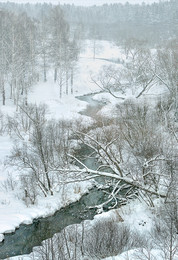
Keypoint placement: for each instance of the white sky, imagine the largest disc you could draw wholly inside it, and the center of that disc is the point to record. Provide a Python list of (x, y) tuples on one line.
[(86, 2)]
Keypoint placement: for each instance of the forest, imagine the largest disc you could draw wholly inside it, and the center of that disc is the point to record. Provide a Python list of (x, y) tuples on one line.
[(89, 107)]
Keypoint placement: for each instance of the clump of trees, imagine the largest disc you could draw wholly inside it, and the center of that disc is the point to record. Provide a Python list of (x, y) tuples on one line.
[(41, 147), (27, 44), (60, 48), (17, 56)]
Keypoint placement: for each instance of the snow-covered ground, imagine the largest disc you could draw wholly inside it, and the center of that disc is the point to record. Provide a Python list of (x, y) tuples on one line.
[(140, 253)]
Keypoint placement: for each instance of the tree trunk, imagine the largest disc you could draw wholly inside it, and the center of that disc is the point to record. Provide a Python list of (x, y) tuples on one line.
[(44, 67), (3, 90), (67, 86), (11, 91), (60, 85), (55, 74), (3, 95), (72, 80)]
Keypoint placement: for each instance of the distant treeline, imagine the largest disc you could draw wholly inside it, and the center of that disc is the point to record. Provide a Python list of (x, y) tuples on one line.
[(153, 23)]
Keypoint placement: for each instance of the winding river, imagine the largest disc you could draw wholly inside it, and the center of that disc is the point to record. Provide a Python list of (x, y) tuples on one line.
[(27, 236)]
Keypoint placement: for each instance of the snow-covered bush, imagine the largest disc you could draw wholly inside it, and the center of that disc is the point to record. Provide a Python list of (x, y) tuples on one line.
[(108, 238)]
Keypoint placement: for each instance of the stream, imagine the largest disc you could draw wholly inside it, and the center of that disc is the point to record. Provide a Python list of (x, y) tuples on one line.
[(27, 236), (93, 106)]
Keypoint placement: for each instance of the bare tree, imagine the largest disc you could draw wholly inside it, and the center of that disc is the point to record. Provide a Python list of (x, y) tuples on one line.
[(167, 66), (42, 150), (138, 75)]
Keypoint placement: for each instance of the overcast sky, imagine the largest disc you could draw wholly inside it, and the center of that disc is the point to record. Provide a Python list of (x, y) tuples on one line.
[(86, 2)]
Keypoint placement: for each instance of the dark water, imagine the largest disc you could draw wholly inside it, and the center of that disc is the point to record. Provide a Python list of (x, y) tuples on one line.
[(28, 236), (93, 105)]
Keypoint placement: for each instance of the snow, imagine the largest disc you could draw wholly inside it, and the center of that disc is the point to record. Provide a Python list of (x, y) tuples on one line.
[(104, 49), (1, 237), (65, 108), (139, 254), (138, 217), (134, 254)]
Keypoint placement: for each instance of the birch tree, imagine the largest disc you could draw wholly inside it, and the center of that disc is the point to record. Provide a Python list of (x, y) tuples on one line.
[(58, 44)]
